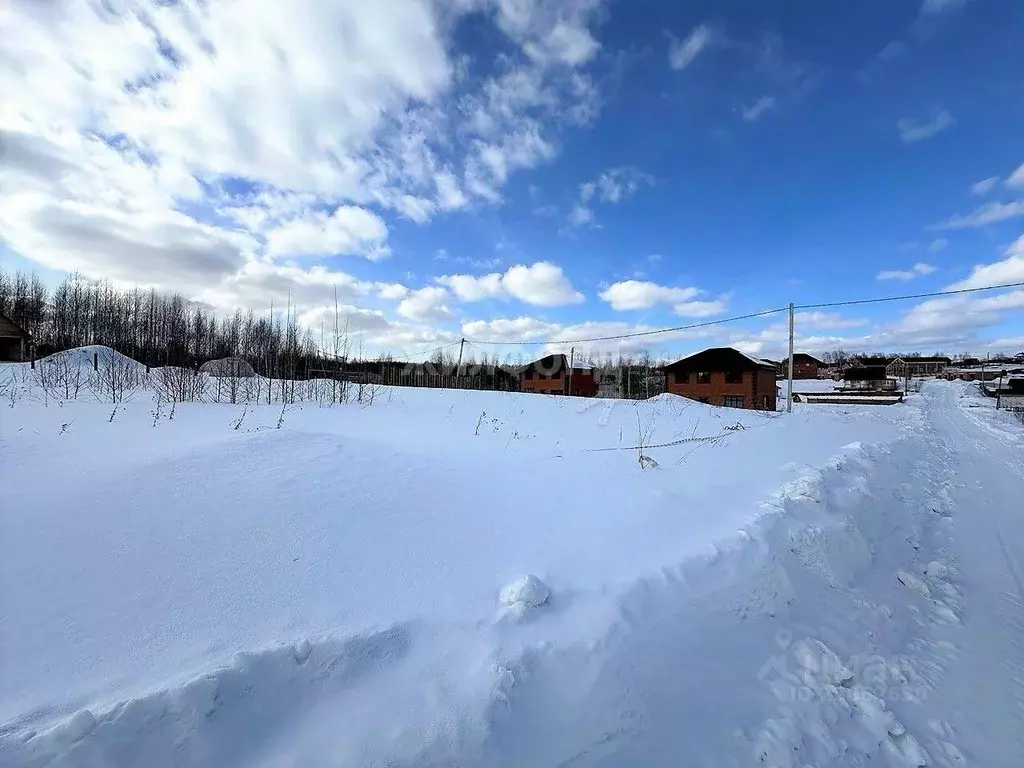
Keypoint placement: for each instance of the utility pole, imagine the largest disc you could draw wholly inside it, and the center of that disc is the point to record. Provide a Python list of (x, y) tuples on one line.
[(458, 368), (789, 397), (999, 389), (572, 353)]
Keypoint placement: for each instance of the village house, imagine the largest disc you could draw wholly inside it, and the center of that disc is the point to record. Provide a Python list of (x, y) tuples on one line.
[(901, 367), (868, 379), (723, 376), (14, 341), (551, 375), (804, 366)]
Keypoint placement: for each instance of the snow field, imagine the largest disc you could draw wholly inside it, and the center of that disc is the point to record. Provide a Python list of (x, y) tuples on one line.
[(355, 586)]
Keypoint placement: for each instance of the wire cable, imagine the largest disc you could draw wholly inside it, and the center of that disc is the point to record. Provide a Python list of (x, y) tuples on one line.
[(934, 294), (762, 313), (636, 334)]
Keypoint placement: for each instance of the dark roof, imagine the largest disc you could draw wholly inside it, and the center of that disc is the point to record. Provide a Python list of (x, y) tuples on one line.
[(554, 363), (870, 360), (801, 357), (868, 373), (718, 359), (911, 360), (9, 328)]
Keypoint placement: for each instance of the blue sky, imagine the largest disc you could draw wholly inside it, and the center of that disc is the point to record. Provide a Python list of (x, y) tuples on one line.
[(512, 170)]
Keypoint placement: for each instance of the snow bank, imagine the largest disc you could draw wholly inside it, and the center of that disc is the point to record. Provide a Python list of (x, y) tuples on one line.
[(90, 355)]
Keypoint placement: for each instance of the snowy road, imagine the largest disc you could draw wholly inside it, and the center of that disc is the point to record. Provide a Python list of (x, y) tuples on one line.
[(852, 598), (982, 464), (928, 632)]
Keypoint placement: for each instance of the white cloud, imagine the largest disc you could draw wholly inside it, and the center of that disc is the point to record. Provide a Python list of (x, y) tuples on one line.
[(259, 282), (990, 213), (525, 328), (470, 288), (348, 230), (762, 105), (938, 244), (984, 186), (681, 53), (1016, 179), (581, 215), (551, 32), (151, 107), (913, 130), (1009, 270), (542, 284), (611, 186), (700, 308), (392, 291), (638, 294), (617, 184), (918, 270), (425, 304)]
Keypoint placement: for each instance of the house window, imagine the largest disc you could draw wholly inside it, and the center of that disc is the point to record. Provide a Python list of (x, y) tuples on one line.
[(732, 401), (734, 377), (703, 377)]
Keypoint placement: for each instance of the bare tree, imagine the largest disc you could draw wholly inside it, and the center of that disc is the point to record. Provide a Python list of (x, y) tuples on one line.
[(116, 379)]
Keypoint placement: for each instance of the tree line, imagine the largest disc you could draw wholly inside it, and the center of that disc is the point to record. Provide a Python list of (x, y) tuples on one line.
[(156, 328)]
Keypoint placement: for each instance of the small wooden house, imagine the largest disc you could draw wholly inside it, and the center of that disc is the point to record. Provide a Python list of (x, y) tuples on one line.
[(551, 375), (14, 341), (804, 366), (723, 376), (867, 379)]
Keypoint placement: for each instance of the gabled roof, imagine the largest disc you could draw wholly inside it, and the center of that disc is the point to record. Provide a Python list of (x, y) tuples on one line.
[(802, 357), (868, 373), (10, 328), (556, 363), (719, 359), (913, 360)]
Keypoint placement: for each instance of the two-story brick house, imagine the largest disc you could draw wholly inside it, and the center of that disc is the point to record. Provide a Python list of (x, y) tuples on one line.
[(551, 375), (723, 376)]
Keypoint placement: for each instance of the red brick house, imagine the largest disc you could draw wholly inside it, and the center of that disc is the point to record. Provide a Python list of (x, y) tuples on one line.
[(804, 366), (551, 376), (723, 376)]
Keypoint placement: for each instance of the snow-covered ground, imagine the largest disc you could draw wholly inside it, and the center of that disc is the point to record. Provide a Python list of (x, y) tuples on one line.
[(348, 585)]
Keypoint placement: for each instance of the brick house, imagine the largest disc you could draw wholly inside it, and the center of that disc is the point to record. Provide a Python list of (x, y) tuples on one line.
[(550, 375), (723, 376), (14, 341), (804, 366)]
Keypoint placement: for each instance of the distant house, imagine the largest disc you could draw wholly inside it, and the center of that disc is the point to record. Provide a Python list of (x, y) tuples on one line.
[(551, 375), (804, 366), (723, 376), (901, 367), (867, 379), (867, 361), (14, 341)]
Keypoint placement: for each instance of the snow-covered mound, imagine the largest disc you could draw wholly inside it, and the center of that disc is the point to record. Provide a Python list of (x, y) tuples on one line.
[(303, 585), (96, 354)]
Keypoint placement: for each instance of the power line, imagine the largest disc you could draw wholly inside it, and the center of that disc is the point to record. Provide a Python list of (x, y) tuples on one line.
[(762, 313), (932, 295), (644, 333)]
